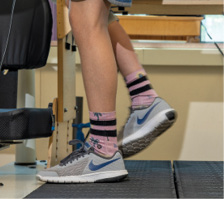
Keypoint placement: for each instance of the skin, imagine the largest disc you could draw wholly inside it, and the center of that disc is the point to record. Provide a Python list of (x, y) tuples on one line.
[(102, 49), (126, 58), (89, 22)]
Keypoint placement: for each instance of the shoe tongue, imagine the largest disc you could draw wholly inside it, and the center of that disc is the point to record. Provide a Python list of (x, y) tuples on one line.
[(87, 145)]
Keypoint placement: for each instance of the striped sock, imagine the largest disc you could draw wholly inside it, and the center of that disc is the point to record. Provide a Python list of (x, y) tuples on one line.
[(141, 92), (103, 134)]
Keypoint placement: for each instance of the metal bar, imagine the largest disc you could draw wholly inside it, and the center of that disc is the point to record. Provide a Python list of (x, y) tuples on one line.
[(79, 113)]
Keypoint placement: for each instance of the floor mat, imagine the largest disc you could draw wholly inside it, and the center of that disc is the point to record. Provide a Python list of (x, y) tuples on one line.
[(146, 179), (199, 179)]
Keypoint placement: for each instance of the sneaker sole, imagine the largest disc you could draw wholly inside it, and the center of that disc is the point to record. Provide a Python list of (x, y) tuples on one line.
[(148, 133), (109, 176)]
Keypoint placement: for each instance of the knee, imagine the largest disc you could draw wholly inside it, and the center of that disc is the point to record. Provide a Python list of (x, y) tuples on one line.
[(86, 25), (86, 19)]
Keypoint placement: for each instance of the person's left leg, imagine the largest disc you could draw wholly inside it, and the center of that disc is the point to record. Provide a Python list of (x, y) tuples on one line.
[(150, 115), (100, 160), (90, 28), (141, 92)]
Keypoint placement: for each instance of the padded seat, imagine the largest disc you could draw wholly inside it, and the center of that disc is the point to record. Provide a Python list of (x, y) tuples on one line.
[(25, 123), (29, 38)]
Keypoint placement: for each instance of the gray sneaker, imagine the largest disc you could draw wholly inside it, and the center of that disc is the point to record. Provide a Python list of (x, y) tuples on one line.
[(84, 166), (144, 126)]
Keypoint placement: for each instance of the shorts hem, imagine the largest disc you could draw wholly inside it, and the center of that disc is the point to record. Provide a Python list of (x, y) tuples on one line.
[(122, 4)]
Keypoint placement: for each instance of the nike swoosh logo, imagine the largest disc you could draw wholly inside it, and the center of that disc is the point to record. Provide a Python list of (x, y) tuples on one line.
[(141, 121), (94, 167)]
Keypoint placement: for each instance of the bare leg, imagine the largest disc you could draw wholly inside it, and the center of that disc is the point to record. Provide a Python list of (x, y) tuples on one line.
[(88, 19), (156, 115), (141, 92), (125, 56)]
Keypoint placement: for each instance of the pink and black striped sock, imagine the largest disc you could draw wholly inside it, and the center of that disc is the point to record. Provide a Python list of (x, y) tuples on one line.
[(103, 134), (141, 92)]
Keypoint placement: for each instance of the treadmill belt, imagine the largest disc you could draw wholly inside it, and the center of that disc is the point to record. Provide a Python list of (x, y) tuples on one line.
[(146, 179), (199, 179)]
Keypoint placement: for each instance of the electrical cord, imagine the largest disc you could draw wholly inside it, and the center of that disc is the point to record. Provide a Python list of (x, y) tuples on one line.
[(9, 32)]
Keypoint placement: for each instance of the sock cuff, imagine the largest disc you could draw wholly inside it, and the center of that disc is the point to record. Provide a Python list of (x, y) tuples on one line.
[(102, 116), (135, 75)]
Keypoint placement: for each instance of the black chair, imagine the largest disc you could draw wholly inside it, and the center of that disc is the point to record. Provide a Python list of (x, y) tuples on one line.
[(25, 36)]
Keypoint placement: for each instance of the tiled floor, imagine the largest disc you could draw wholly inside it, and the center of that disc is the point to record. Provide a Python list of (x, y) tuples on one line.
[(19, 181)]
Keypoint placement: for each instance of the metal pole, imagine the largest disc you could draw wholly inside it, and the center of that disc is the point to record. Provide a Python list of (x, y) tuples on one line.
[(26, 152), (79, 113)]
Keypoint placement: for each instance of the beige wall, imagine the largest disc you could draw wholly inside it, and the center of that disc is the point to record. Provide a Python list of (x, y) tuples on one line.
[(195, 91), (191, 80)]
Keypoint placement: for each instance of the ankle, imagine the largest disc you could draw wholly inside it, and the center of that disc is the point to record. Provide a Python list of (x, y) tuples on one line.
[(140, 89), (143, 101), (103, 133), (103, 145)]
